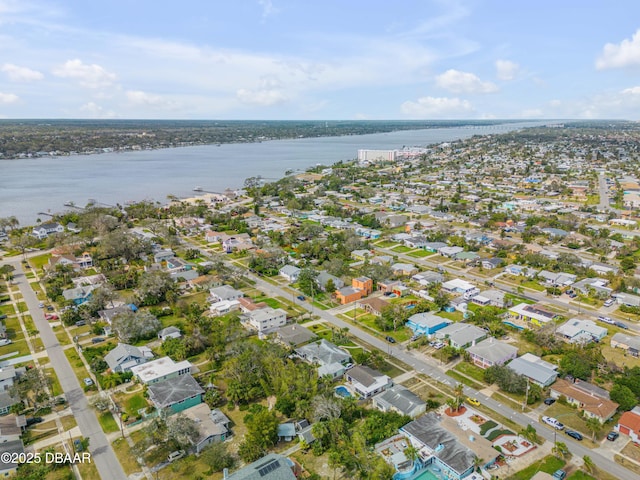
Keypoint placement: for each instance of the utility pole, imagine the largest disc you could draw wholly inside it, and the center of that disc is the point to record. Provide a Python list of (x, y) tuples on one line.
[(526, 396)]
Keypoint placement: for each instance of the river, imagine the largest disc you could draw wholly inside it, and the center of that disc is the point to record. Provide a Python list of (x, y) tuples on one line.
[(31, 186)]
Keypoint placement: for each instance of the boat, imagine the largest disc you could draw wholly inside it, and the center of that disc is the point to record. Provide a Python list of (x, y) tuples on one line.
[(197, 189)]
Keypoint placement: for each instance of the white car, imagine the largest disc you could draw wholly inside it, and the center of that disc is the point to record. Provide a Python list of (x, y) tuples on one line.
[(438, 345), (553, 422), (608, 320), (88, 382), (609, 302), (4, 341)]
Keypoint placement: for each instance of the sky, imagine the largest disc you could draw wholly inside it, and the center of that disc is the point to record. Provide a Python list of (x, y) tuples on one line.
[(330, 59)]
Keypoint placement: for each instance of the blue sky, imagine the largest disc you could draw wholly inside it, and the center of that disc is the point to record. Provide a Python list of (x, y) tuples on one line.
[(305, 59)]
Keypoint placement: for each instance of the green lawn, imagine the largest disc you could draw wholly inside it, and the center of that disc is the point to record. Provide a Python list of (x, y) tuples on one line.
[(456, 316), (533, 285), (401, 249), (7, 310), (56, 389), (462, 379), (470, 370), (548, 464), (77, 365), (580, 475), (125, 456), (421, 254), (108, 423), (40, 261), (385, 243), (571, 418)]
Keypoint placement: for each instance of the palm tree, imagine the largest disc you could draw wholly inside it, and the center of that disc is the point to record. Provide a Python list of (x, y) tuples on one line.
[(589, 466), (595, 426), (458, 396), (561, 449)]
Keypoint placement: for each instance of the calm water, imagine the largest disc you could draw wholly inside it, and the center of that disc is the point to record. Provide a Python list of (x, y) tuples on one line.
[(30, 186)]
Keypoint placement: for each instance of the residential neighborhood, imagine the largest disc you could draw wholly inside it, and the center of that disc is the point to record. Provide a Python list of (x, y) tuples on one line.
[(435, 313)]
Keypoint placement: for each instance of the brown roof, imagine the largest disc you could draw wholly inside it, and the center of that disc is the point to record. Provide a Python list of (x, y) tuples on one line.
[(249, 305), (376, 303), (601, 407), (630, 420)]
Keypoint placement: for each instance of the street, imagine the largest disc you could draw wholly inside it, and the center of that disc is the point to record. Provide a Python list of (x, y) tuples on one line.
[(101, 452)]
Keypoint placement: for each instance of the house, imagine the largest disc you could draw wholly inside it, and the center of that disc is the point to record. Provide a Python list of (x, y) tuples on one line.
[(7, 401), (557, 279), (366, 381), (629, 424), (169, 332), (11, 450), (461, 335), (591, 402), (450, 251), (361, 254), (630, 343), (365, 284), (535, 369), (595, 285), (628, 299), (490, 297), (460, 286), (360, 287), (426, 323), (443, 444), (239, 242), (224, 292), (491, 263), (404, 269), (518, 270), (8, 376), (428, 278), (466, 257), (534, 314), (387, 286), (109, 314), (374, 305), (581, 331), (294, 335), (490, 352), (270, 467), (159, 370), (79, 295), (264, 319), (290, 273), (286, 432), (43, 230), (11, 427), (77, 263), (331, 360), (323, 278), (176, 393), (224, 306), (400, 399), (213, 425), (124, 356)]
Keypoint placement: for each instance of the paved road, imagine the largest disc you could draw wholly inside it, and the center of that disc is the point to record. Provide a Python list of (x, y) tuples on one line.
[(603, 190), (432, 369), (101, 452)]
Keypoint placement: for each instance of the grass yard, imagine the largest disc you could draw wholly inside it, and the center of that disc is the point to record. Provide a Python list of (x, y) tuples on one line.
[(88, 471), (77, 365), (532, 284), (548, 464), (39, 261), (421, 254), (571, 418), (401, 249), (580, 475), (7, 309), (466, 381), (627, 464), (385, 244), (125, 456), (456, 316), (108, 423), (470, 370), (56, 389), (68, 422)]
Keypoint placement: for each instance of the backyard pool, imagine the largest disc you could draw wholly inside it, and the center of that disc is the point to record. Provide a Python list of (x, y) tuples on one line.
[(513, 325), (343, 392)]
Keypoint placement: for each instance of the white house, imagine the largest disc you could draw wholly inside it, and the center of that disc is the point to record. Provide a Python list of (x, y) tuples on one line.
[(43, 230), (225, 292), (581, 331), (161, 369), (366, 381), (290, 273), (265, 319)]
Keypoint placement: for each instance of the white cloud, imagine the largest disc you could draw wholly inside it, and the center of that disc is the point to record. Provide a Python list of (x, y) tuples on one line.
[(506, 70), (8, 98), (263, 97), (93, 110), (89, 76), (624, 54), (463, 82), (140, 98), (436, 107), (532, 113), (21, 74), (267, 8), (631, 91)]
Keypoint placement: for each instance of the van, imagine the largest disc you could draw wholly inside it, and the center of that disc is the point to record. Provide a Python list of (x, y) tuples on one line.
[(175, 455), (80, 323), (609, 302)]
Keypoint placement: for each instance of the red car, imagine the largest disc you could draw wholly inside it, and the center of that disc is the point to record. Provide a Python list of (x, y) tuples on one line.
[(50, 316)]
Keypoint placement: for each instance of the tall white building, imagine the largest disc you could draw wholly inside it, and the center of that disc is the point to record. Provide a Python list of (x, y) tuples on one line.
[(373, 156)]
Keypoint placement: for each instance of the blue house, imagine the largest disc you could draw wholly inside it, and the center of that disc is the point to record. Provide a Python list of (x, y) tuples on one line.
[(426, 323), (176, 394)]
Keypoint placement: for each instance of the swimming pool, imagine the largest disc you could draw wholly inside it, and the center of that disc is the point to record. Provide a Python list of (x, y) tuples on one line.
[(513, 325), (343, 392)]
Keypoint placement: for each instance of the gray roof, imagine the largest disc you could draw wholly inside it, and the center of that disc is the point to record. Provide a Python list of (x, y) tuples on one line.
[(174, 390), (109, 313), (120, 354), (493, 350), (323, 352), (324, 277), (536, 372), (631, 341), (428, 430), (269, 467), (290, 270), (364, 375), (295, 334), (12, 447), (428, 319), (461, 333), (400, 398)]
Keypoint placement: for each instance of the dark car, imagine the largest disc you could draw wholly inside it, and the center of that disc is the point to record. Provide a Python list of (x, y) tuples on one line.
[(97, 340), (80, 323), (301, 297), (50, 308), (390, 339), (575, 435), (612, 436), (549, 401), (34, 420), (621, 325)]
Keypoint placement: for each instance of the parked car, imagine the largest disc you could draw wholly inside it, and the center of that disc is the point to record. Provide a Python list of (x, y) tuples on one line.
[(175, 455), (34, 420), (559, 474), (573, 434), (41, 305), (77, 444), (50, 308), (97, 340), (50, 316), (608, 320), (609, 302), (553, 422), (612, 436), (438, 345), (390, 339), (621, 325), (80, 323), (5, 341), (88, 382), (301, 297), (473, 401), (549, 401)]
